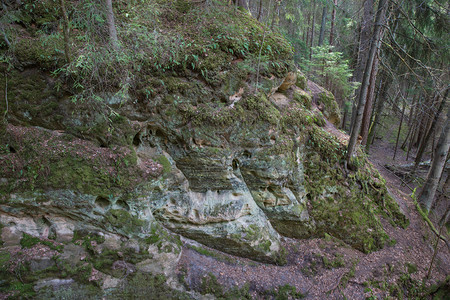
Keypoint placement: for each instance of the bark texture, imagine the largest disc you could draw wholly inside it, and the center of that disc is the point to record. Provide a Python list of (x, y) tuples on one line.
[(111, 23), (66, 31), (440, 155), (322, 25), (382, 6)]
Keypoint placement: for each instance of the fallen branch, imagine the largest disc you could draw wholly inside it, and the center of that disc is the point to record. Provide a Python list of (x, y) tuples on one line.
[(428, 221), (401, 179)]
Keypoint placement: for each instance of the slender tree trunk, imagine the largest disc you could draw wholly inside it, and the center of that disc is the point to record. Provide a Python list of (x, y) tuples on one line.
[(379, 110), (322, 26), (379, 22), (274, 17), (410, 122), (111, 24), (312, 29), (66, 30), (242, 3), (399, 130), (333, 20), (424, 143), (429, 189), (411, 140), (345, 117), (369, 103), (426, 120), (417, 122), (363, 49), (4, 106), (308, 32), (260, 10)]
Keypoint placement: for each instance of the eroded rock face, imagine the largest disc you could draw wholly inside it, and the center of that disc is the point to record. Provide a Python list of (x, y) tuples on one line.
[(213, 150), (235, 177)]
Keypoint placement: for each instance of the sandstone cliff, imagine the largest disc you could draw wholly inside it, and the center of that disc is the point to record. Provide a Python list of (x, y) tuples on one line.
[(185, 129)]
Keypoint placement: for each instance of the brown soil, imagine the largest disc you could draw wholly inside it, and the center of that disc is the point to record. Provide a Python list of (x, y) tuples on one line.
[(326, 269)]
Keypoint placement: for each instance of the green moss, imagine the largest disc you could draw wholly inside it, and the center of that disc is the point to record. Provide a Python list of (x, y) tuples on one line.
[(261, 107), (210, 285), (296, 116), (349, 274), (87, 239), (350, 214), (104, 261), (47, 51), (215, 254), (22, 290), (303, 98), (142, 286), (331, 108), (281, 258), (165, 241), (336, 262), (4, 259), (29, 241), (165, 163), (57, 162), (412, 267), (286, 292), (302, 81), (183, 6), (123, 220)]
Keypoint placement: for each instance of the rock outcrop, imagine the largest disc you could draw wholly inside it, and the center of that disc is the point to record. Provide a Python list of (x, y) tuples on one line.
[(208, 146)]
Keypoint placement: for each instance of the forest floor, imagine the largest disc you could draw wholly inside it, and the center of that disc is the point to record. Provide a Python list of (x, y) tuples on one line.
[(327, 269)]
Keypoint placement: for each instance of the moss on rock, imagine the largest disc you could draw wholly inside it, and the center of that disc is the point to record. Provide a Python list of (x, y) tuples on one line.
[(331, 108)]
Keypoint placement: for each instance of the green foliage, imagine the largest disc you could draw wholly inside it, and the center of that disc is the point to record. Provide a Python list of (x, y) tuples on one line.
[(336, 262), (28, 241), (412, 267), (203, 41), (210, 285), (287, 292), (327, 65)]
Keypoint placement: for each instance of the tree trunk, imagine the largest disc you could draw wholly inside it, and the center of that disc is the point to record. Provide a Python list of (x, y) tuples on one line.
[(369, 103), (4, 106), (399, 130), (111, 24), (410, 123), (274, 18), (66, 31), (312, 29), (363, 49), (322, 26), (424, 143), (379, 22), (379, 109), (260, 10), (242, 3), (333, 20), (429, 189), (426, 120), (417, 121)]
